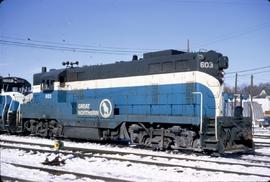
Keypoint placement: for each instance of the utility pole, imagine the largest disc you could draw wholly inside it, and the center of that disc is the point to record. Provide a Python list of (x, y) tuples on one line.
[(235, 91), (251, 101), (188, 49), (251, 88)]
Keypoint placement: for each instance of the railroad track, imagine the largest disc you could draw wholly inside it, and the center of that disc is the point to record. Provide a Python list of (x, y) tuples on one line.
[(114, 155), (101, 151), (74, 149), (261, 140), (260, 144), (262, 136), (9, 178), (55, 171)]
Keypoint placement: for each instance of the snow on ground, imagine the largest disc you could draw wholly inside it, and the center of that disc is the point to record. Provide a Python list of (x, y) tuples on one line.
[(261, 130), (35, 175), (104, 167), (114, 148), (122, 170), (265, 140)]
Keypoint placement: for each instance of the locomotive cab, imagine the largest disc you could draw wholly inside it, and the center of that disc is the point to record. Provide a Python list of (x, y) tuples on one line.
[(49, 81), (14, 92), (10, 117)]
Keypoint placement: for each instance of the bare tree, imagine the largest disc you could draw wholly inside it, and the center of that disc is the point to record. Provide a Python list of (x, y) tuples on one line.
[(245, 89)]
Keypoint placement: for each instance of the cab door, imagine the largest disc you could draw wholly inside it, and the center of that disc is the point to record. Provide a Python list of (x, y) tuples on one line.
[(13, 116), (2, 103), (4, 106)]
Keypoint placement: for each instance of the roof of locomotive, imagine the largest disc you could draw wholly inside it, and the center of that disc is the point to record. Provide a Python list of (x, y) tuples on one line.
[(166, 61), (7, 84), (15, 81)]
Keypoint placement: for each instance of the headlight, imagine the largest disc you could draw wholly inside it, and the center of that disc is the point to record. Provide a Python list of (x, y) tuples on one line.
[(223, 62), (200, 57)]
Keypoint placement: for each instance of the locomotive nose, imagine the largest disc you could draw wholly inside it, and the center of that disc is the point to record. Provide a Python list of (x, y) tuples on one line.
[(223, 62)]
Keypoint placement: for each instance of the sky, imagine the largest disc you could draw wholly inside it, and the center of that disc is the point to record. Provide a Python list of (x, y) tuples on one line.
[(36, 33)]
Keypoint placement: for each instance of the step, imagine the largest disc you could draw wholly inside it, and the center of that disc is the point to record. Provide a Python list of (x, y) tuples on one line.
[(211, 125), (210, 138), (210, 133), (210, 148), (211, 141)]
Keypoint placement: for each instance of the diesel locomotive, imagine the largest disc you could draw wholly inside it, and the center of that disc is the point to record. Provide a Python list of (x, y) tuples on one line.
[(166, 100)]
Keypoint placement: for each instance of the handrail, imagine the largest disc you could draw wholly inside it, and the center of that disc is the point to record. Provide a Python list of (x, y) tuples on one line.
[(201, 110), (4, 108), (10, 105), (216, 134), (18, 115)]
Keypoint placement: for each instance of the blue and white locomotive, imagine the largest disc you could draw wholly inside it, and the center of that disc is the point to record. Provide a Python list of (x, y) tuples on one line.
[(14, 91), (167, 99)]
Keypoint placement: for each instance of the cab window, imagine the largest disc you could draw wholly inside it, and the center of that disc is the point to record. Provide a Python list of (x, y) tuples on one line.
[(62, 81), (47, 85)]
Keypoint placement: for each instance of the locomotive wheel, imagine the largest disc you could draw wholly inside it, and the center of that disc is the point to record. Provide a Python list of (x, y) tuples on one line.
[(30, 126), (42, 129)]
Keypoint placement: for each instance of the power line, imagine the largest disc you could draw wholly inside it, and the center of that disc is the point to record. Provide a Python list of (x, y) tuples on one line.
[(233, 35), (67, 48), (248, 70), (233, 2), (64, 43), (256, 73), (246, 76), (14, 41)]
